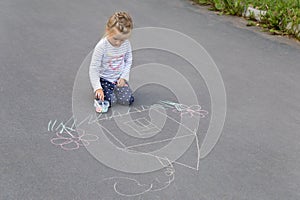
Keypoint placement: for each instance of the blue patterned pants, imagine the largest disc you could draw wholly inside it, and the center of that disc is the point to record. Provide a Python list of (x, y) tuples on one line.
[(114, 94)]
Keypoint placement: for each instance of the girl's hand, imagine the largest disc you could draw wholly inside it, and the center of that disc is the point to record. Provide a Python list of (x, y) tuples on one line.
[(99, 94), (121, 82)]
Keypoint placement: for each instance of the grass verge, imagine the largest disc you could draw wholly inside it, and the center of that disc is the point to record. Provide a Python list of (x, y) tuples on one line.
[(281, 17)]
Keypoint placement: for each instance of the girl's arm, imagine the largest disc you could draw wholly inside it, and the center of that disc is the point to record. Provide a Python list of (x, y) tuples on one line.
[(94, 70), (128, 63)]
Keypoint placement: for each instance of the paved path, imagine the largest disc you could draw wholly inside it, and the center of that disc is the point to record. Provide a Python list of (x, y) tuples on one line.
[(42, 45)]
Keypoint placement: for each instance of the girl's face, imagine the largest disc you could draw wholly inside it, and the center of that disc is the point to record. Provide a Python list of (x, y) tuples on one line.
[(116, 38)]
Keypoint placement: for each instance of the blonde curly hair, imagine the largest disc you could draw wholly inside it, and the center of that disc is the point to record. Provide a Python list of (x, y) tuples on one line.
[(120, 21)]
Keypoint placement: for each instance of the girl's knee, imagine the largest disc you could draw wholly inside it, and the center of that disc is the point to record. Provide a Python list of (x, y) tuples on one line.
[(126, 100), (123, 101)]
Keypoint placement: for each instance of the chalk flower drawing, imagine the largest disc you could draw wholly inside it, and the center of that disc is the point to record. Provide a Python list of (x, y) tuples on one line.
[(73, 140), (191, 111)]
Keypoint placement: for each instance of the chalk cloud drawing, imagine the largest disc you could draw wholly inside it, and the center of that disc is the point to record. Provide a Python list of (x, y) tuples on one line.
[(130, 187)]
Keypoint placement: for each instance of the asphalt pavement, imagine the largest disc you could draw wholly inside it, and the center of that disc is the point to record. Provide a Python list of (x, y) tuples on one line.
[(43, 46)]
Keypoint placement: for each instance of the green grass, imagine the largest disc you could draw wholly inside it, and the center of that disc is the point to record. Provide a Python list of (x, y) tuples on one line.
[(279, 14)]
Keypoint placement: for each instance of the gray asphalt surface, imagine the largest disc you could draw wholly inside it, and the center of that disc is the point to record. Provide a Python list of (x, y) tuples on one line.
[(42, 45)]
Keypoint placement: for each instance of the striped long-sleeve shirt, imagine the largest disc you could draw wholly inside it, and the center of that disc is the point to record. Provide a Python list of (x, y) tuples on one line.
[(109, 62)]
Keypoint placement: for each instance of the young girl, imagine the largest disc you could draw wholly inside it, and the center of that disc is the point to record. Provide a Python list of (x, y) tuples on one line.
[(111, 61)]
